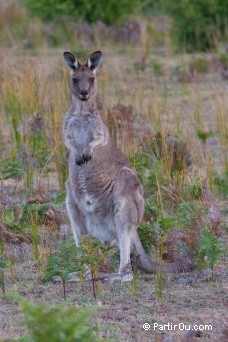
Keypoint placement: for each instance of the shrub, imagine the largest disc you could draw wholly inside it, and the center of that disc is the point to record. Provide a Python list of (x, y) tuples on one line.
[(198, 24), (13, 22), (211, 248), (69, 258), (90, 10), (221, 182), (147, 236), (200, 65), (64, 262), (223, 58), (11, 168), (204, 135), (92, 254), (59, 323), (157, 68)]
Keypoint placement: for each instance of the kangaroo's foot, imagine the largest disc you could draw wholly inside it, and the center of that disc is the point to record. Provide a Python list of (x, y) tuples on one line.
[(125, 274), (118, 277)]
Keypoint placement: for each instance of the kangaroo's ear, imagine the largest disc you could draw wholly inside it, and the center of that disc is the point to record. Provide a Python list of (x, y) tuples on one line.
[(94, 61), (70, 60)]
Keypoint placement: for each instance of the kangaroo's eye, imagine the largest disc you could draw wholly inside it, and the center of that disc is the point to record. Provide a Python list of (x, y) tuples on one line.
[(92, 80), (75, 80)]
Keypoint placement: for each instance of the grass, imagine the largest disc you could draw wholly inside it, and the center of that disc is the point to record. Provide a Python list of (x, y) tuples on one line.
[(121, 313), (191, 108)]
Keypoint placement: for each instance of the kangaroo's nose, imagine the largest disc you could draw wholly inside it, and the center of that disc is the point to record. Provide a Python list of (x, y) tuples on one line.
[(84, 92), (84, 95)]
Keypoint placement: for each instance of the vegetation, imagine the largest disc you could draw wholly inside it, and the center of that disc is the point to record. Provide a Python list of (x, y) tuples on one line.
[(200, 65), (198, 25), (195, 25), (63, 263), (2, 266), (224, 60), (211, 249), (61, 323), (168, 114), (92, 255), (221, 182), (109, 12), (11, 169)]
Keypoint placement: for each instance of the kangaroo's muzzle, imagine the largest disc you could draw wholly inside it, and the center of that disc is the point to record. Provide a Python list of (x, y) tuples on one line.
[(84, 95)]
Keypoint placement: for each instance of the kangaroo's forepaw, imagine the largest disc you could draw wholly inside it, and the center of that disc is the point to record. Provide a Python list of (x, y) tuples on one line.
[(83, 159)]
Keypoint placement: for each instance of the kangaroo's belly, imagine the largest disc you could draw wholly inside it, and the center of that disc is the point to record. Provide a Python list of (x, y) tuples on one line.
[(98, 209), (103, 229), (99, 217)]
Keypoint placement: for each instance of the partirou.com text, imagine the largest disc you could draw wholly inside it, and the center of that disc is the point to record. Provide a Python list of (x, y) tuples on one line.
[(180, 326)]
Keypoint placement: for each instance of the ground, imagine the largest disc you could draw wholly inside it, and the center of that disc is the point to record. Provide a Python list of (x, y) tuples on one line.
[(174, 102), (123, 308)]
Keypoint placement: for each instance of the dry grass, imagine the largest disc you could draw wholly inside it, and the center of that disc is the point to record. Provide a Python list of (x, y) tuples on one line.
[(38, 83), (120, 313)]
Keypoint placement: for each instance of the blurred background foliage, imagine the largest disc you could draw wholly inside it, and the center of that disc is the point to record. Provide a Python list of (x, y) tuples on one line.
[(195, 25), (89, 10)]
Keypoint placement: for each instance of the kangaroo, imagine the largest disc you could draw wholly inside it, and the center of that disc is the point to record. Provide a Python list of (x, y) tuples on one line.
[(104, 195)]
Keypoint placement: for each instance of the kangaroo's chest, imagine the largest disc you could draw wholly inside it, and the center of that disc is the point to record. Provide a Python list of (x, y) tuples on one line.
[(93, 190), (95, 199), (82, 128)]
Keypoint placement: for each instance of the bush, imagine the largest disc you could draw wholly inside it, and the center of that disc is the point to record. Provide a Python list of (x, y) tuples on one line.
[(221, 182), (57, 324), (200, 65), (198, 24), (223, 58), (211, 248), (90, 10)]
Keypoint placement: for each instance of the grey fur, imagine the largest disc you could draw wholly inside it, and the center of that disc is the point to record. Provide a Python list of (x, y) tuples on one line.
[(104, 195)]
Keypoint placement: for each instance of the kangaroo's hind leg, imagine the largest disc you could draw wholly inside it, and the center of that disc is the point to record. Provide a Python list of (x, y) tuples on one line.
[(76, 217), (124, 240), (129, 212)]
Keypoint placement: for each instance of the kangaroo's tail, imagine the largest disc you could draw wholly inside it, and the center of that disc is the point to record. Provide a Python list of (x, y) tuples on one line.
[(147, 265)]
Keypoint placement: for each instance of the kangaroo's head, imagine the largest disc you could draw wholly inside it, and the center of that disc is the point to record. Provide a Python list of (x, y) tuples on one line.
[(83, 75)]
